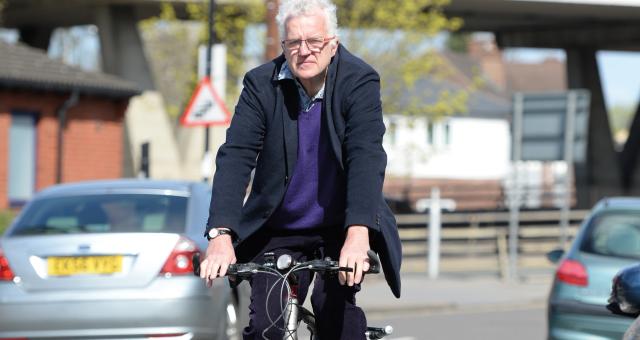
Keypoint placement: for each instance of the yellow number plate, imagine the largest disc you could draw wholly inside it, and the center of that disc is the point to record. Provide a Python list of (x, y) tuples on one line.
[(68, 265)]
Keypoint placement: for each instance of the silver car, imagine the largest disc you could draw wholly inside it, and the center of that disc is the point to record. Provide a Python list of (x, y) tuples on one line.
[(112, 260)]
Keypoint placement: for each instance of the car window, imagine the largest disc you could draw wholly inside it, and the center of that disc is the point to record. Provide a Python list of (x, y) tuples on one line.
[(615, 233), (104, 213)]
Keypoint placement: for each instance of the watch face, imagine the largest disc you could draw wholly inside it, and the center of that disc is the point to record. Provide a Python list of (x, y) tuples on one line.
[(213, 232)]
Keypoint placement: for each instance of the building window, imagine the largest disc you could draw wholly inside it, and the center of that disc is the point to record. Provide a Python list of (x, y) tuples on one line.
[(22, 157), (447, 133), (393, 129), (430, 133)]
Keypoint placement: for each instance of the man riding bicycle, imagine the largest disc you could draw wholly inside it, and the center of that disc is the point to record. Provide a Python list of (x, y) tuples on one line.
[(310, 123)]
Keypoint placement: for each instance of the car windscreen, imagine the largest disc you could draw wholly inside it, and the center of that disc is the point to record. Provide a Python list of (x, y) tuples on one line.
[(614, 233), (107, 213)]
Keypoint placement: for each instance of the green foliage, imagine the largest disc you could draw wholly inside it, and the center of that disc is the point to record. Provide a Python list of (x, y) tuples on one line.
[(458, 42), (421, 16), (394, 37), (6, 216), (620, 117), (163, 36), (172, 46), (230, 22), (391, 35)]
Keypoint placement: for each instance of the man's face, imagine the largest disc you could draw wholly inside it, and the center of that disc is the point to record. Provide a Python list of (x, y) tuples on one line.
[(308, 64)]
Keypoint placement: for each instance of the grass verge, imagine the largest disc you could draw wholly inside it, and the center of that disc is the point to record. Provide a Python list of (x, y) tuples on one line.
[(6, 216)]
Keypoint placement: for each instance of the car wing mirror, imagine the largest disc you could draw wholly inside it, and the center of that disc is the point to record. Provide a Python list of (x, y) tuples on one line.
[(555, 255), (625, 292)]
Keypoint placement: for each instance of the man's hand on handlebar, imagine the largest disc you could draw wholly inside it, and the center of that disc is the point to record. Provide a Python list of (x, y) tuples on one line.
[(354, 255), (220, 254)]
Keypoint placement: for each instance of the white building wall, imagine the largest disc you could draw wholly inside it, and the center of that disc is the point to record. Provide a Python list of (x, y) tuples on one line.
[(472, 148)]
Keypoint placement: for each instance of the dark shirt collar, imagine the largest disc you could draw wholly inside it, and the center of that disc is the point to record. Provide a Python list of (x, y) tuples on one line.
[(305, 99)]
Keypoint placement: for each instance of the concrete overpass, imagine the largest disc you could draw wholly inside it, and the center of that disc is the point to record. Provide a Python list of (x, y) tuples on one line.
[(121, 46), (580, 27), (607, 24)]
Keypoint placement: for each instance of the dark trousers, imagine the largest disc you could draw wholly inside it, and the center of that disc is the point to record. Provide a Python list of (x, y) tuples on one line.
[(337, 316)]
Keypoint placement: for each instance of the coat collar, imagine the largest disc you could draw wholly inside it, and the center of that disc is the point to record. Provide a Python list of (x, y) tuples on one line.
[(305, 100)]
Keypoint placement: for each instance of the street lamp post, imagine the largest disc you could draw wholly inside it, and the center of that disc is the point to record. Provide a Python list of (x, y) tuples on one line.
[(212, 37)]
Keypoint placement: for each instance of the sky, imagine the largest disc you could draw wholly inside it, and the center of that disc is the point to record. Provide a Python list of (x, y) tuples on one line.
[(619, 71), (621, 76)]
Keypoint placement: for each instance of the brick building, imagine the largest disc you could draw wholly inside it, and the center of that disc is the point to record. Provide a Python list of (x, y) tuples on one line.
[(57, 123)]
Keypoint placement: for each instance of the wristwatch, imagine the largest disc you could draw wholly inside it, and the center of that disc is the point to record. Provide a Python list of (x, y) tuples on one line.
[(215, 232)]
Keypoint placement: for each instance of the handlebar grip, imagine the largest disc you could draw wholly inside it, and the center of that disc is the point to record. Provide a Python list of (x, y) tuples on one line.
[(378, 333), (374, 262), (195, 261), (232, 269)]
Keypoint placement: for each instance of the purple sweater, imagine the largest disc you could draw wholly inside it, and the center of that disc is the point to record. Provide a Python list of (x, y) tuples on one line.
[(315, 196)]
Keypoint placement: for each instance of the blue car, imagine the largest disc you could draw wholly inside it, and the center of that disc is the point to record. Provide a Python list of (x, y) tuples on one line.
[(608, 240)]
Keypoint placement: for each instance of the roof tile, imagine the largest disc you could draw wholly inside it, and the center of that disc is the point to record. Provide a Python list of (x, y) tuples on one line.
[(26, 67)]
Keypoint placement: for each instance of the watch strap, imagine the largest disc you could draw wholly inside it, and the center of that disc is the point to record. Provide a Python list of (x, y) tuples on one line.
[(221, 231)]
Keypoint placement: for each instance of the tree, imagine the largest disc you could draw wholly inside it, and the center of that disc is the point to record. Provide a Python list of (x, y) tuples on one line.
[(173, 72), (230, 23), (458, 42), (172, 47), (621, 116), (394, 37)]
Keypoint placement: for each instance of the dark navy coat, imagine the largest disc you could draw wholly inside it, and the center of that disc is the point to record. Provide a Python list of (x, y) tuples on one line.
[(264, 135)]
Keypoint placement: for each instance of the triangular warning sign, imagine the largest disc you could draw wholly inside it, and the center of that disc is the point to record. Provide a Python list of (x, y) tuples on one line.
[(205, 107)]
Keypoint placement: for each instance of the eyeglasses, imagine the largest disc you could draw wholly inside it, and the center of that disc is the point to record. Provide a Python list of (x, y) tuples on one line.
[(313, 44)]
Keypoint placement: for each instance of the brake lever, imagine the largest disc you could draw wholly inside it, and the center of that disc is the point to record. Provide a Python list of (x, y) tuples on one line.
[(374, 262), (195, 261)]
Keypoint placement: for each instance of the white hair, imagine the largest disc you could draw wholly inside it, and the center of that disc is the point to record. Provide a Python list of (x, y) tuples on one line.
[(295, 8)]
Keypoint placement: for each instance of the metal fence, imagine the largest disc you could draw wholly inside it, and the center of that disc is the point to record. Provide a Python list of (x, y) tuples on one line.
[(477, 241)]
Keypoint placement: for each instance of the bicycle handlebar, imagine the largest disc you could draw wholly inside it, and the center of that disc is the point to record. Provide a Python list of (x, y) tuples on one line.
[(246, 270), (378, 333)]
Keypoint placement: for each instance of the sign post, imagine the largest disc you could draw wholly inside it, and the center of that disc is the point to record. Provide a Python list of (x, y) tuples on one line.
[(546, 127), (212, 38), (205, 108), (435, 227), (514, 197)]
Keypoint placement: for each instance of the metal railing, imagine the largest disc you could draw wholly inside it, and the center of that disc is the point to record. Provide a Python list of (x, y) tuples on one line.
[(477, 241)]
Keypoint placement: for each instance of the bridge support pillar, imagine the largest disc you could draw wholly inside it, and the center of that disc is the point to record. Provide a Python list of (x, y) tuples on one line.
[(600, 175), (121, 45), (629, 157)]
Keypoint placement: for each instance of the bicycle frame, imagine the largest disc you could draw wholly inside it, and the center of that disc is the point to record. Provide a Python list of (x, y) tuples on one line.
[(291, 314), (294, 313)]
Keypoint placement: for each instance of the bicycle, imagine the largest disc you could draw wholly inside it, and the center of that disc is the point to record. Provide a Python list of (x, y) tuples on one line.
[(285, 268)]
